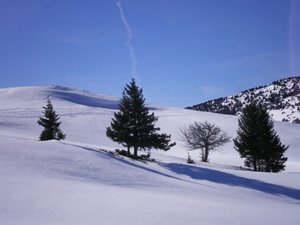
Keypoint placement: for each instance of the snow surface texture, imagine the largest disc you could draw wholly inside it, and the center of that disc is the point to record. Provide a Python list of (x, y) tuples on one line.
[(76, 182)]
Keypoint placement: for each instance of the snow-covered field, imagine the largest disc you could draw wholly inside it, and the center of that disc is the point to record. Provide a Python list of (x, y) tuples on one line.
[(76, 182)]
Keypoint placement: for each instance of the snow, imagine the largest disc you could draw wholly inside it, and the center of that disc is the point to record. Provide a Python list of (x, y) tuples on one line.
[(66, 97), (79, 181)]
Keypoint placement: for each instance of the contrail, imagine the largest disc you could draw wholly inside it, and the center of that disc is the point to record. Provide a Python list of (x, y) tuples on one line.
[(128, 42)]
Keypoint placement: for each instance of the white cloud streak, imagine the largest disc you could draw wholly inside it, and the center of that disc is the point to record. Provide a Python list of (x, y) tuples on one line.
[(128, 41)]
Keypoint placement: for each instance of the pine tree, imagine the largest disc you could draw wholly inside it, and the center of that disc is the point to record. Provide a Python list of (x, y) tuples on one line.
[(258, 142), (134, 126), (51, 124), (271, 147)]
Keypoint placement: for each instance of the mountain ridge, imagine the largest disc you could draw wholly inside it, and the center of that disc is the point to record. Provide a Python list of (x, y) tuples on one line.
[(281, 98)]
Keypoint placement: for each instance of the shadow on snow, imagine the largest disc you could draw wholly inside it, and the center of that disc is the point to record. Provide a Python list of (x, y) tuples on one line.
[(199, 173)]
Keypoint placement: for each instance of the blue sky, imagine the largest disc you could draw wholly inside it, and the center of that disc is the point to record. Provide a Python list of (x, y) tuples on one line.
[(186, 51)]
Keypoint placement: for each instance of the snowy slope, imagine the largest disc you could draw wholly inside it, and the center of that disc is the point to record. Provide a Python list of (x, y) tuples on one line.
[(76, 182), (32, 97)]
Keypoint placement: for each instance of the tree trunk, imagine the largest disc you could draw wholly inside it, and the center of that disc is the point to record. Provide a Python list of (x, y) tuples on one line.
[(128, 151), (205, 154), (135, 152), (254, 164)]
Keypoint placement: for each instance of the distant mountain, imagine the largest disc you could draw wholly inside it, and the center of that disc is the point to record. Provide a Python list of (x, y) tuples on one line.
[(281, 98)]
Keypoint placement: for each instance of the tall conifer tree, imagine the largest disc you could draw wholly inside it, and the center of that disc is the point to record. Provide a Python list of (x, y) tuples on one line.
[(133, 125), (258, 142), (51, 124)]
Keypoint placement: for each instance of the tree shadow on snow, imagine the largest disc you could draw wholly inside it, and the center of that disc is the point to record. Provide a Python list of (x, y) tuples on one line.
[(142, 165), (199, 173)]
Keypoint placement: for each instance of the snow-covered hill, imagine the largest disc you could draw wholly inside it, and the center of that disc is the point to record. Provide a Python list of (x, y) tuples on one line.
[(281, 98), (30, 97), (78, 181)]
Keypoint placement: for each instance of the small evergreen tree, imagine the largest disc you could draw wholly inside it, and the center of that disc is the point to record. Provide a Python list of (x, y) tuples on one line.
[(258, 142), (189, 159), (51, 124), (134, 126)]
